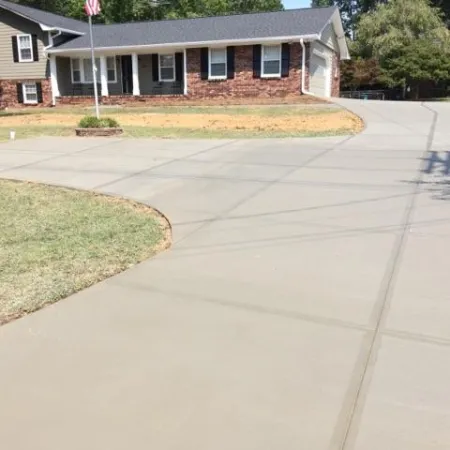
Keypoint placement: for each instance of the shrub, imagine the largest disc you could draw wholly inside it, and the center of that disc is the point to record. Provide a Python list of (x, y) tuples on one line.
[(93, 122)]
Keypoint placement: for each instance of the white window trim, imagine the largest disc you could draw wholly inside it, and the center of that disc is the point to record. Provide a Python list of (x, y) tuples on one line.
[(115, 70), (159, 68), (270, 75), (80, 70), (82, 77), (217, 77), (24, 93), (31, 48)]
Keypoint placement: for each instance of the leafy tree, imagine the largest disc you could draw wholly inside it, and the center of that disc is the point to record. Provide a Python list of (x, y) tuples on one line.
[(409, 39), (421, 61), (352, 10), (116, 11), (359, 73)]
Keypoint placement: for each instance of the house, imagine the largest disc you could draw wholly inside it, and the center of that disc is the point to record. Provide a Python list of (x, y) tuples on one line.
[(45, 58)]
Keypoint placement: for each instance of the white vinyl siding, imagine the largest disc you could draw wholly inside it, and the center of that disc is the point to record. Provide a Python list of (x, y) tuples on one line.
[(167, 67), (271, 61), (217, 64), (29, 90), (328, 37), (81, 69), (25, 47)]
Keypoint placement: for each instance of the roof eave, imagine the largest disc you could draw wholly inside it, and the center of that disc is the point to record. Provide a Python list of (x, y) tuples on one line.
[(296, 38), (43, 26), (336, 21), (64, 30)]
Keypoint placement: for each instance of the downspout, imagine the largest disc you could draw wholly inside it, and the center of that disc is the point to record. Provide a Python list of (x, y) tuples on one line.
[(304, 91)]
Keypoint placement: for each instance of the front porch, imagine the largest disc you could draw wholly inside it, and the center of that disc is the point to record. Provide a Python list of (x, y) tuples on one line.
[(118, 76)]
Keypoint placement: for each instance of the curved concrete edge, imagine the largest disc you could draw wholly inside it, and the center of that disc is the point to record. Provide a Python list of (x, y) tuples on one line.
[(335, 101), (165, 244)]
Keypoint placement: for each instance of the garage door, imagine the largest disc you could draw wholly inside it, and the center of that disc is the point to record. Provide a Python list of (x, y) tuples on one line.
[(318, 76)]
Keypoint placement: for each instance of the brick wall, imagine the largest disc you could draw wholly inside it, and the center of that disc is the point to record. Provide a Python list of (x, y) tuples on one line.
[(243, 84), (242, 89), (8, 93), (335, 76)]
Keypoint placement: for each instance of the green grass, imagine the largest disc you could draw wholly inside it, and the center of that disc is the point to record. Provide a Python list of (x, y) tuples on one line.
[(56, 241)]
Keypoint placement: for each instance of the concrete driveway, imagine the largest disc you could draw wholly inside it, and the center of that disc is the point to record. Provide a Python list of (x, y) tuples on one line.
[(305, 303)]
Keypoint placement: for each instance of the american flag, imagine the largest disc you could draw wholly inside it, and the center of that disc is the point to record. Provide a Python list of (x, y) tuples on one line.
[(92, 7)]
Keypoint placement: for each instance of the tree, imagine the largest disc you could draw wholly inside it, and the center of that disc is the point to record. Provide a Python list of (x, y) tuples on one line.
[(350, 10), (409, 39), (117, 11), (359, 73), (420, 62)]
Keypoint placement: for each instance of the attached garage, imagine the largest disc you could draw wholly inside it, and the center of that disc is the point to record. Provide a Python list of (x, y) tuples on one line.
[(319, 70)]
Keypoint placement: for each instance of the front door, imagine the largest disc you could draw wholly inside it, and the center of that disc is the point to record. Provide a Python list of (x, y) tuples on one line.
[(127, 74)]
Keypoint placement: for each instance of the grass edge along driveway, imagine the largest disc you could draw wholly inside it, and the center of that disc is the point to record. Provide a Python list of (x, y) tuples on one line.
[(57, 241)]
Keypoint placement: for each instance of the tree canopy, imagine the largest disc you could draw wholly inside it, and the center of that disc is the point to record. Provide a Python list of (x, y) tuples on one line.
[(409, 41), (116, 11), (352, 10)]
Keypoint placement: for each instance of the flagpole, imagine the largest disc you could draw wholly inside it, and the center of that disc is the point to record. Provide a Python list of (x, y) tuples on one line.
[(94, 75)]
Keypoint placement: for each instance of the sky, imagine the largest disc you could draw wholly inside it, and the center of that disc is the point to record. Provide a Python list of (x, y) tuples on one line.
[(290, 4)]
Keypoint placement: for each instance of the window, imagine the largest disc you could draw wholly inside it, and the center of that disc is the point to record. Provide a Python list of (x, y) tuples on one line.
[(217, 63), (111, 69), (271, 61), (87, 69), (30, 93), (25, 44), (166, 67), (82, 70), (76, 71)]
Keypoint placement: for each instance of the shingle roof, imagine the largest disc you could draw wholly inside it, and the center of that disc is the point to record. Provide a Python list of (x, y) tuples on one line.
[(45, 18), (294, 22)]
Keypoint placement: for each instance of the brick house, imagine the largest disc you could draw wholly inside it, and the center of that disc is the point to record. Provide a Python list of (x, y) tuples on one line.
[(45, 58)]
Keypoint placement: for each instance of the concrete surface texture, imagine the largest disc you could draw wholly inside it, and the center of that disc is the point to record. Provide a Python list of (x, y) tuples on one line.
[(304, 304)]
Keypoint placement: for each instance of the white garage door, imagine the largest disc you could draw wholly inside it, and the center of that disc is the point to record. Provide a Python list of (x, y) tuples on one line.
[(318, 76)]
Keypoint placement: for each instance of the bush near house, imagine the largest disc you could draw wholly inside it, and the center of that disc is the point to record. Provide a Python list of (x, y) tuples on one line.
[(94, 122)]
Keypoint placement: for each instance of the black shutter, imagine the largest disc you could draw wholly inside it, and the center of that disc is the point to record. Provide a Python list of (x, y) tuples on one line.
[(39, 92), (35, 48), (204, 70), (155, 67), (230, 63), (285, 55), (257, 61), (19, 93), (15, 49), (179, 66)]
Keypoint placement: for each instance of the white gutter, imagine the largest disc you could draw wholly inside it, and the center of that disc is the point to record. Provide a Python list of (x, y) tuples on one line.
[(279, 39), (304, 91), (61, 30), (50, 41)]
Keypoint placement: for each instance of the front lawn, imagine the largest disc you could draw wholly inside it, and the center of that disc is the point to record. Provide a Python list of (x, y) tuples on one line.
[(188, 121), (56, 241)]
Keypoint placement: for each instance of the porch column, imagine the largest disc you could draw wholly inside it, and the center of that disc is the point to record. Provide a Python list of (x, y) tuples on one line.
[(54, 79), (185, 87), (104, 76), (135, 70)]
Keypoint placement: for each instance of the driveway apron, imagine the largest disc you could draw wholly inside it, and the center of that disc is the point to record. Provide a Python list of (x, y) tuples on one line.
[(304, 303)]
